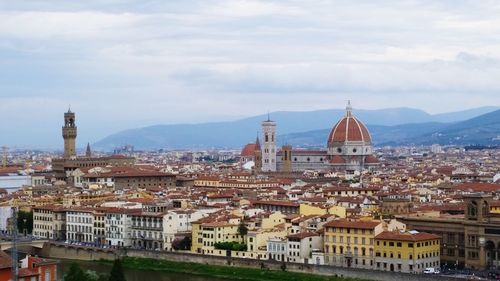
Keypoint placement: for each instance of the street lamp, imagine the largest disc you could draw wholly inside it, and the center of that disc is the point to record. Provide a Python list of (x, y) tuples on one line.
[(24, 224)]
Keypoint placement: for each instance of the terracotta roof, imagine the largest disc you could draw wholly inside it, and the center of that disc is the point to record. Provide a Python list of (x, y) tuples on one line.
[(275, 202), (27, 272), (406, 236), (302, 235), (336, 159), (344, 223), (371, 159), (479, 187), (248, 150)]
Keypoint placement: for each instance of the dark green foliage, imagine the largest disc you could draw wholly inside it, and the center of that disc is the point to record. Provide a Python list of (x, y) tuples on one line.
[(242, 229), (117, 271), (231, 246), (24, 221), (226, 272), (184, 244), (75, 273)]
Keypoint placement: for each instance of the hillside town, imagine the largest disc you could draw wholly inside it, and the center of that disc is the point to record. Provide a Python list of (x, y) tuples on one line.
[(397, 209)]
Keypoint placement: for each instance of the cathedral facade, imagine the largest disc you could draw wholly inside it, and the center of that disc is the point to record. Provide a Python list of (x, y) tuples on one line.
[(349, 148)]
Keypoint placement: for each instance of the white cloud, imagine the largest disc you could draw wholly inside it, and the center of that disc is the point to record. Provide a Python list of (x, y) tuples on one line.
[(42, 25), (167, 61)]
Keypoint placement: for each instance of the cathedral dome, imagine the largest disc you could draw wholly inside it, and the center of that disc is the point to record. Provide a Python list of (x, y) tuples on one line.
[(349, 129)]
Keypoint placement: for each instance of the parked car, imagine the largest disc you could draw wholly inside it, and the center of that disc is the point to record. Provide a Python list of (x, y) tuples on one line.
[(431, 270)]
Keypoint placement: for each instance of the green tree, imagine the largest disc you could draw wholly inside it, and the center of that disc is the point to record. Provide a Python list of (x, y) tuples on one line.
[(24, 222), (75, 273), (184, 244), (94, 276), (117, 272), (242, 230)]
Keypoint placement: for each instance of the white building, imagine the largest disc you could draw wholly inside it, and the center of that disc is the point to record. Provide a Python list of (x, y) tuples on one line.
[(269, 146), (118, 226), (5, 214), (177, 222), (80, 225), (436, 148), (147, 230), (301, 245), (277, 249), (43, 222)]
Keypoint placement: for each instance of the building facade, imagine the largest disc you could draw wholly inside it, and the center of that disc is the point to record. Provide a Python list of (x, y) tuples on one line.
[(80, 225), (472, 241), (409, 252), (269, 146)]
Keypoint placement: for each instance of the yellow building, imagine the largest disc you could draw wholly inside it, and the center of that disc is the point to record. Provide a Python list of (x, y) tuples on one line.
[(196, 236), (410, 252), (207, 181), (307, 210), (350, 243), (273, 220), (214, 229), (256, 240), (219, 232)]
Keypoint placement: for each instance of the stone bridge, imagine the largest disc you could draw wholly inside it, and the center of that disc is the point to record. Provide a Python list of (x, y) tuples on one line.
[(5, 245)]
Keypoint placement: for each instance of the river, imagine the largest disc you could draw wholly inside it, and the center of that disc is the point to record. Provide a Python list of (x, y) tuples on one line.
[(133, 274)]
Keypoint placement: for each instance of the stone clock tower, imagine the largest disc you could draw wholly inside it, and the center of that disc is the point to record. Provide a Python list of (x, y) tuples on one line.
[(69, 134)]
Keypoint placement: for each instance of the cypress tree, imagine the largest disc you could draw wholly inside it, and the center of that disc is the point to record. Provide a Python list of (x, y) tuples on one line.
[(117, 272), (75, 273)]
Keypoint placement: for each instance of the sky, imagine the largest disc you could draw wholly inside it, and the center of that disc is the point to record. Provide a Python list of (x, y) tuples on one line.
[(126, 64)]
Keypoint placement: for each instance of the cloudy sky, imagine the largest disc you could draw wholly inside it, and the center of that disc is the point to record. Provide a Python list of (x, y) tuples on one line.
[(123, 64)]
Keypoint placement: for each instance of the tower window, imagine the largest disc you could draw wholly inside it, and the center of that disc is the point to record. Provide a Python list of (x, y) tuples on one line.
[(339, 150), (266, 137), (354, 150)]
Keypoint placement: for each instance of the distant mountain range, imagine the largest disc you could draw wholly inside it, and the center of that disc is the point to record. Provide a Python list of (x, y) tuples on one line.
[(481, 130), (387, 126)]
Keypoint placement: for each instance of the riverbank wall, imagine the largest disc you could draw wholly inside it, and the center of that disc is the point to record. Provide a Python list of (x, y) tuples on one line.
[(58, 251)]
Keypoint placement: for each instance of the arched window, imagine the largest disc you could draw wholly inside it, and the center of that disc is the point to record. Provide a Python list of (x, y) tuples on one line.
[(486, 209)]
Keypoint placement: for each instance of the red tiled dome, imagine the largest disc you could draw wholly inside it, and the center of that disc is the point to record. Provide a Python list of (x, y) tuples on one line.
[(349, 128)]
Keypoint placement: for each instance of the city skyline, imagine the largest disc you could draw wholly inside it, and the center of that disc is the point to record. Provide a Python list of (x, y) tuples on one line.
[(201, 61), (249, 139)]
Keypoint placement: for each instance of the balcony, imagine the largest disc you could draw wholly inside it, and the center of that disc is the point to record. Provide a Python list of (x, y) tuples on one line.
[(148, 227)]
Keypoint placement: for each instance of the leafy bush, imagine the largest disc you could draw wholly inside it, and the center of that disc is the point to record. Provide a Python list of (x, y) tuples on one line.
[(231, 246)]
